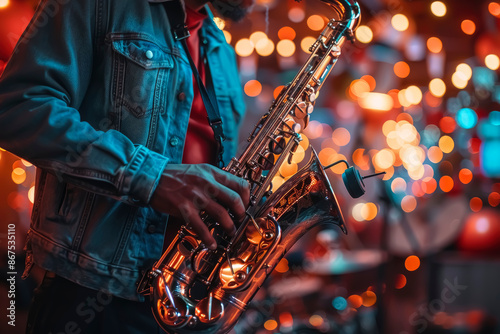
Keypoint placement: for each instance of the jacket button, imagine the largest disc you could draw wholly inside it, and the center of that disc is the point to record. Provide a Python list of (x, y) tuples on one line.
[(174, 141), (149, 54), (181, 96), (151, 228)]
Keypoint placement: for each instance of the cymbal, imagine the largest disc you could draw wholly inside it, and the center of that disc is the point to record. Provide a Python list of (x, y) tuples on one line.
[(434, 227), (338, 262)]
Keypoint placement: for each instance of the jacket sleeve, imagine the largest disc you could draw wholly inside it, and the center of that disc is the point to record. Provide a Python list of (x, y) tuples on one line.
[(41, 90)]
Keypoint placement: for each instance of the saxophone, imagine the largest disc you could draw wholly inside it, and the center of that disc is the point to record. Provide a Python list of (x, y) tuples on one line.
[(194, 289)]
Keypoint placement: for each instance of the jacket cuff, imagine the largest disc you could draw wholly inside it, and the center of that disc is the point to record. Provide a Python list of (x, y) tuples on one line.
[(142, 175)]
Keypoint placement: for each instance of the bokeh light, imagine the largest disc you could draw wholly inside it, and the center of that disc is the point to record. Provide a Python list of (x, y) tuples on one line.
[(296, 14), (437, 87), (369, 298), (244, 47), (271, 324), (400, 22), (4, 3), (475, 204), (285, 48), (468, 27), (306, 42), (492, 62), (364, 34), (401, 69), (315, 22), (434, 45), (494, 8), (400, 281), (438, 8), (446, 183), (466, 118), (412, 263), (253, 88), (287, 33), (409, 203), (446, 144)]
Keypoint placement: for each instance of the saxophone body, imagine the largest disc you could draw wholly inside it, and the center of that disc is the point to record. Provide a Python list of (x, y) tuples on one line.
[(193, 289)]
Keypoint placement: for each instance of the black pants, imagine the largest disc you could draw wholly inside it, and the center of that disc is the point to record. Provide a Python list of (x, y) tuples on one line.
[(63, 307)]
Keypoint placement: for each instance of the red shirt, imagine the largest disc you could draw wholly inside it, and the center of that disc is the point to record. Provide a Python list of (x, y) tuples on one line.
[(200, 146)]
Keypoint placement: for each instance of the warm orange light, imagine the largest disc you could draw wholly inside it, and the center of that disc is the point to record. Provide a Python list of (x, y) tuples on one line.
[(432, 100), (400, 281), (282, 266), (315, 22), (494, 8), (409, 203), (31, 194), (475, 204), (447, 124), (253, 88), (270, 325), (429, 186), (316, 320), (412, 263), (244, 47), (465, 175), (376, 101), (355, 301), (398, 185), (361, 159), (287, 170), (434, 45), (435, 154), (372, 83), (446, 144), (468, 27), (287, 33), (277, 91), (369, 211), (341, 136), (402, 69), (285, 48), (227, 36), (446, 183), (306, 43), (286, 319), (4, 3), (369, 298)]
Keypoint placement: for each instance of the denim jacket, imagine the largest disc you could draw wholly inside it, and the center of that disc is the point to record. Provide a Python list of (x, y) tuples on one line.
[(97, 95)]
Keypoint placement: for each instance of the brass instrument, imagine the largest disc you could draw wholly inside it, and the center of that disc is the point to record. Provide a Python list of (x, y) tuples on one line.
[(194, 289)]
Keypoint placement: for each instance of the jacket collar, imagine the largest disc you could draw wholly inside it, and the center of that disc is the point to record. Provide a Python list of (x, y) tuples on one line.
[(209, 26)]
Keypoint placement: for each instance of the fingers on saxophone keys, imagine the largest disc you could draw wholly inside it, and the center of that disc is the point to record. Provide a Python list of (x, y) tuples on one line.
[(220, 214), (191, 216)]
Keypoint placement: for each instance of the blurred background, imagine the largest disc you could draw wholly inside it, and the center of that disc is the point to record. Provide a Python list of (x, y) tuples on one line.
[(417, 96)]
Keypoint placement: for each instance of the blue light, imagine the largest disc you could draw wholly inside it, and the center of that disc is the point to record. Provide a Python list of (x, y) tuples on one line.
[(466, 118), (494, 117), (339, 303)]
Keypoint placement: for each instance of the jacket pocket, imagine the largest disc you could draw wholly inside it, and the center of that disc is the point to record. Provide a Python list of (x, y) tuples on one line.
[(140, 69)]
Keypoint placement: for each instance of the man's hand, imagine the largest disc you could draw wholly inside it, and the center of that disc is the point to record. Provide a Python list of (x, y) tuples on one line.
[(185, 190)]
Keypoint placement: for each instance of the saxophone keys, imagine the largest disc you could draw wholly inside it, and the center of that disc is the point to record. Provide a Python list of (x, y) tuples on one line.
[(209, 309)]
